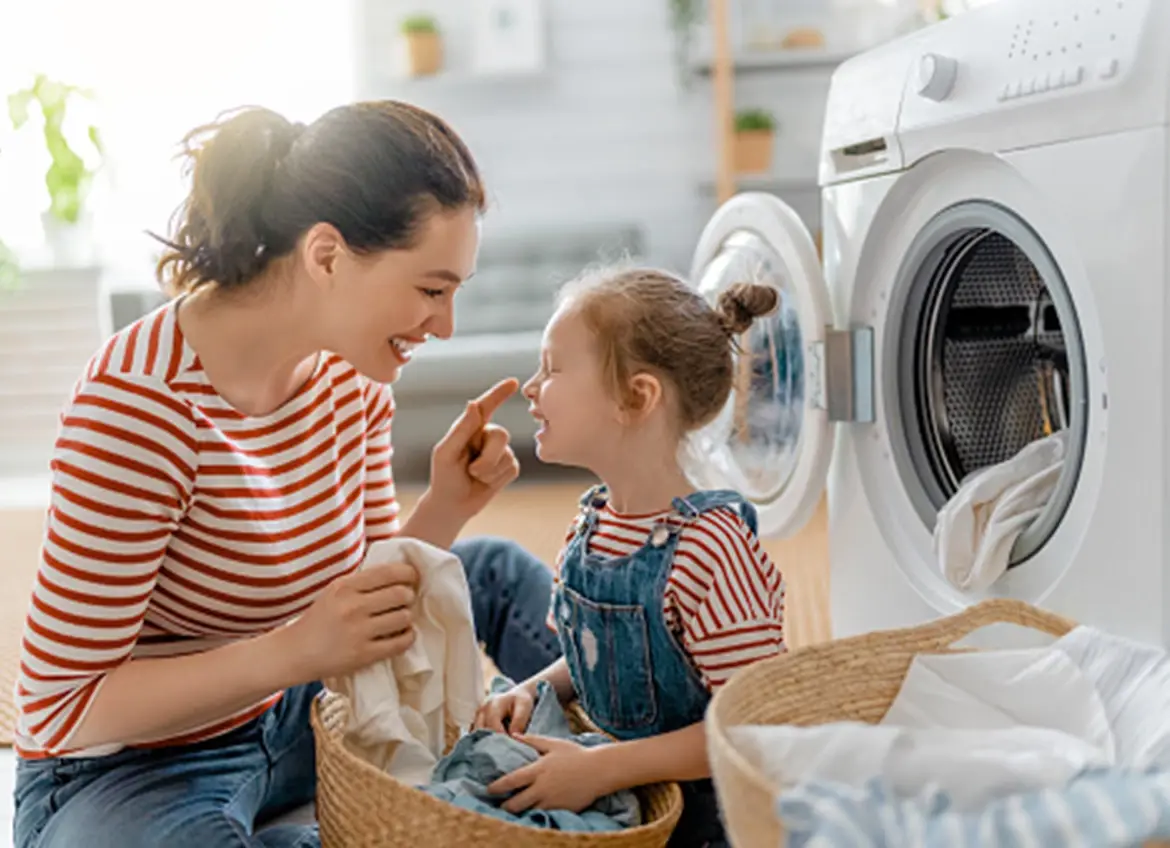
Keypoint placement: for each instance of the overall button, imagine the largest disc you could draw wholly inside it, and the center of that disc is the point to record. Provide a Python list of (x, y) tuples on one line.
[(660, 535)]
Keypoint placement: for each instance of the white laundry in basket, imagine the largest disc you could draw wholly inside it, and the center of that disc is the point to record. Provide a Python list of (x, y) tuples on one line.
[(976, 529)]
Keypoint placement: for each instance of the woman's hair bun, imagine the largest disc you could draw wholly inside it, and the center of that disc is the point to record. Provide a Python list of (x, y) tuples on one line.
[(740, 304)]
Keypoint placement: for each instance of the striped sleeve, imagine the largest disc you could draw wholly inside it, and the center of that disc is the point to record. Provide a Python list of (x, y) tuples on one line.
[(725, 597), (122, 475), (380, 499)]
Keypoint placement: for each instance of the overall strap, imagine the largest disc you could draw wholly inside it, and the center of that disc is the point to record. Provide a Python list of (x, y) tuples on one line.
[(595, 497), (590, 503), (695, 504)]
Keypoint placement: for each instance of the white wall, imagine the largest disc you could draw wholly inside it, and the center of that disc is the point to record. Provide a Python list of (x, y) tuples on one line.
[(606, 134)]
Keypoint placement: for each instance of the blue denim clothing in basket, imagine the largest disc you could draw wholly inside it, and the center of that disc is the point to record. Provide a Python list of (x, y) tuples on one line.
[(1099, 808), (631, 674), (481, 757)]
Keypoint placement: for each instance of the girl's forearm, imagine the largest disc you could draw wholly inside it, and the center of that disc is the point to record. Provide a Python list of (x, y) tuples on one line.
[(557, 675), (679, 755)]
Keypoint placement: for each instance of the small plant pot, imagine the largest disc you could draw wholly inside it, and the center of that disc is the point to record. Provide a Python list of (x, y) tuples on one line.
[(424, 53), (752, 153), (70, 245)]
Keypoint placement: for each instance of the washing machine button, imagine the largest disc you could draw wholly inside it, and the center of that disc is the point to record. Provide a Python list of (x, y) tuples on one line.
[(1107, 68), (1008, 91), (1075, 76), (936, 76)]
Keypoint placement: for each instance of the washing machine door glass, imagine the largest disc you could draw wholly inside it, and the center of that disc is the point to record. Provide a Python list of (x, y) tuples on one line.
[(771, 441)]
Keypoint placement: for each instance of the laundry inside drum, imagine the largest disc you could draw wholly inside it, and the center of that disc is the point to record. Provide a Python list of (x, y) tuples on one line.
[(991, 349)]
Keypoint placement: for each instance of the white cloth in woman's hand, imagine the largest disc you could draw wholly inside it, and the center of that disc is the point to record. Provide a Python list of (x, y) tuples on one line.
[(399, 706)]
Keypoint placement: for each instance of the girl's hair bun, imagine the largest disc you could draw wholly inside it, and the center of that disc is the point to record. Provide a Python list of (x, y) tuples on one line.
[(742, 303)]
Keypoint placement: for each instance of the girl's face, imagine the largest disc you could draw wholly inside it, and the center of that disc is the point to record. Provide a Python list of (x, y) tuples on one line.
[(376, 308), (580, 421)]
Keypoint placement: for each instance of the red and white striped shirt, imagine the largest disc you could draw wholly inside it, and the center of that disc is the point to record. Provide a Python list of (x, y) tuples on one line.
[(724, 598), (177, 524)]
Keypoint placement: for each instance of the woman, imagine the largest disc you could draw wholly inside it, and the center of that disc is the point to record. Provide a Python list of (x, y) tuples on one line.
[(222, 467)]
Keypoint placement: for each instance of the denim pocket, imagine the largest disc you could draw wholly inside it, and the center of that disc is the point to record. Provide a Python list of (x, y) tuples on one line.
[(609, 649)]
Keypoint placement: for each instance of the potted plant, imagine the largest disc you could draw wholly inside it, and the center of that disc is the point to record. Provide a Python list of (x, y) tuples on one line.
[(69, 175), (684, 16), (423, 45), (755, 130)]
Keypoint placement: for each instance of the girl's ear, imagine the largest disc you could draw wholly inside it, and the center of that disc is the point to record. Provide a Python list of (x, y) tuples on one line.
[(644, 396)]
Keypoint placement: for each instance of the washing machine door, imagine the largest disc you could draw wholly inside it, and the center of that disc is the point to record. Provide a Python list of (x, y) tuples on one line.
[(772, 441)]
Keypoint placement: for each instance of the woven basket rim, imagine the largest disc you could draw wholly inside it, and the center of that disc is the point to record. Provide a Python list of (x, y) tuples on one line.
[(457, 813), (933, 637)]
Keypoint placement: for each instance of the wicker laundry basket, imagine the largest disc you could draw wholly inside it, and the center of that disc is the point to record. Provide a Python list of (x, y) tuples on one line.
[(359, 806), (853, 679)]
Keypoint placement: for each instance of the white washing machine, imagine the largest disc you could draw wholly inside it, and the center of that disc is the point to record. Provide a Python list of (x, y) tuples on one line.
[(995, 219)]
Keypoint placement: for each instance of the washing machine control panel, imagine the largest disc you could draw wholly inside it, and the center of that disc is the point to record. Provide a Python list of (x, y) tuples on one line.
[(1063, 45), (1003, 52)]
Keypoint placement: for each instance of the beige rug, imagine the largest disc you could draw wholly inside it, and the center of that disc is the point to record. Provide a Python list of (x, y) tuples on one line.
[(534, 514), (21, 532)]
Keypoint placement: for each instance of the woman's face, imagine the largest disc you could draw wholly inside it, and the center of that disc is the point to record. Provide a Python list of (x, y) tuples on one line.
[(379, 307)]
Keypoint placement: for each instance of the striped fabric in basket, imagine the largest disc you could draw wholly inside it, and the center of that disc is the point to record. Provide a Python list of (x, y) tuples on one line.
[(1105, 808)]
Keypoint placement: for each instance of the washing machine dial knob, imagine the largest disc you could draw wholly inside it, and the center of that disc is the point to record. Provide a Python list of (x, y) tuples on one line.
[(936, 76)]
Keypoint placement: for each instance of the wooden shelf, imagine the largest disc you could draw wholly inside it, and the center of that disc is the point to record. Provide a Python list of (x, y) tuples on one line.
[(776, 61)]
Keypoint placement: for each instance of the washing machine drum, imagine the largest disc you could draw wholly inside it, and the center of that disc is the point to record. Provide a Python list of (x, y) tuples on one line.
[(987, 359), (981, 355)]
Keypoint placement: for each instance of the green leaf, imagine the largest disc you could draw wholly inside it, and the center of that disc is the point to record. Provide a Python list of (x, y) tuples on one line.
[(419, 24), (67, 178), (754, 119), (18, 108)]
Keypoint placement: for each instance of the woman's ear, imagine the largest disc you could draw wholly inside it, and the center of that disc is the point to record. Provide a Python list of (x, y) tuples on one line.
[(322, 248), (644, 396)]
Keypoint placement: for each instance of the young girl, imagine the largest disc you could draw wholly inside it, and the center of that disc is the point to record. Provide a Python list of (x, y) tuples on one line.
[(662, 592)]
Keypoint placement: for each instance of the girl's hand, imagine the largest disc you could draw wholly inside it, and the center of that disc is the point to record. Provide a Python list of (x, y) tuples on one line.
[(474, 461), (508, 712), (357, 620), (567, 776)]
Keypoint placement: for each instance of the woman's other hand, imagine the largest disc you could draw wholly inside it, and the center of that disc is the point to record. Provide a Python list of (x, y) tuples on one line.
[(474, 461)]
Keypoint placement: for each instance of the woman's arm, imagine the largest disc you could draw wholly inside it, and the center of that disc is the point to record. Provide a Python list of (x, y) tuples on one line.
[(146, 699), (434, 522), (122, 467), (469, 467)]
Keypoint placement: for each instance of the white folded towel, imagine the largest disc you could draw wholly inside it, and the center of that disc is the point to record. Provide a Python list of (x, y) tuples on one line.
[(976, 529), (399, 705)]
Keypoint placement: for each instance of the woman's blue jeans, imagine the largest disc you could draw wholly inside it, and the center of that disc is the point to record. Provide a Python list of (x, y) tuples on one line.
[(219, 793)]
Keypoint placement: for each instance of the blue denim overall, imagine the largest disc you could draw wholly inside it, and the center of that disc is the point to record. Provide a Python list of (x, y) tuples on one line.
[(631, 674)]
